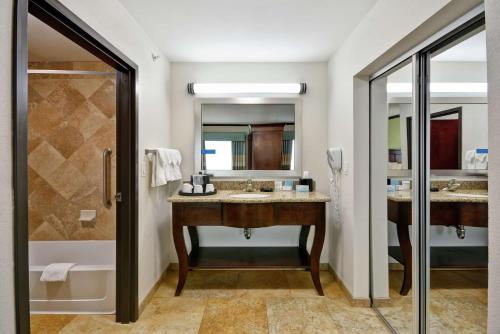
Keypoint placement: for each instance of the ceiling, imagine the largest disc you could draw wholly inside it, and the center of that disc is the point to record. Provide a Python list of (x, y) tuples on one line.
[(46, 44), (248, 31), (472, 49)]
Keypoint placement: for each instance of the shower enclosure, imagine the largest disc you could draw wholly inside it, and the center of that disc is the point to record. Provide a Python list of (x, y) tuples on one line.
[(71, 181)]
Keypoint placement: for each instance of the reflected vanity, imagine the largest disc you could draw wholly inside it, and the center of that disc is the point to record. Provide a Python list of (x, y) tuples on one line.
[(460, 209)]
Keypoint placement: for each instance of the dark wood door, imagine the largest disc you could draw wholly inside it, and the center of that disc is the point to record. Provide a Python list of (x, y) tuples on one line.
[(267, 146), (445, 144)]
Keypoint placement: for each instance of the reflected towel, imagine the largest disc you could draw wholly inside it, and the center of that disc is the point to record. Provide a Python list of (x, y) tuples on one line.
[(481, 161), (56, 272), (470, 157)]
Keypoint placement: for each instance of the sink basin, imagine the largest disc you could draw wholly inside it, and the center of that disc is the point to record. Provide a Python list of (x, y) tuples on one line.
[(468, 195), (249, 195)]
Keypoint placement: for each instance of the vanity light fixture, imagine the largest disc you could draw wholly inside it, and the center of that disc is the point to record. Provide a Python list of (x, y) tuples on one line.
[(246, 88)]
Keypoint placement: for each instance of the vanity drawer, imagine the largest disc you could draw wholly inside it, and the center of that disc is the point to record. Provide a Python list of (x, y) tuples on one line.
[(199, 214), (248, 215), (299, 213)]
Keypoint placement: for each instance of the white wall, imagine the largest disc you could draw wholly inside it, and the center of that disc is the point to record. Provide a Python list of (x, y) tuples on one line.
[(112, 21), (493, 49), (389, 29), (314, 135), (7, 309), (378, 189)]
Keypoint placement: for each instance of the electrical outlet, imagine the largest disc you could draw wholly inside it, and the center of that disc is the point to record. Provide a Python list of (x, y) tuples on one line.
[(345, 167)]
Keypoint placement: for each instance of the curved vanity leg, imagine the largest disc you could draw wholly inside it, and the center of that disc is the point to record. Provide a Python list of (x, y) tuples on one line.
[(304, 234), (195, 241), (405, 244), (317, 246), (180, 247)]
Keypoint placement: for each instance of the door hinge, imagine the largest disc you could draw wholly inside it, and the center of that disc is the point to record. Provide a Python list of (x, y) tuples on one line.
[(118, 197)]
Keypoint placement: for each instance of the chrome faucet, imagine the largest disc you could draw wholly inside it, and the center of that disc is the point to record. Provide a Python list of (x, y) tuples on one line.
[(249, 187), (452, 185)]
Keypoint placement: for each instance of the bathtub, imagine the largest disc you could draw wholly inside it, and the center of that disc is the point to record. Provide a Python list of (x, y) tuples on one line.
[(90, 286)]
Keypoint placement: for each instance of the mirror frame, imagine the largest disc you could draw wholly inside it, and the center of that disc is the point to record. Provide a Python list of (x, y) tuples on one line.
[(297, 102)]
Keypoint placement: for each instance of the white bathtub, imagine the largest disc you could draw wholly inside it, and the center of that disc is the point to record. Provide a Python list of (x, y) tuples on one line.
[(90, 286)]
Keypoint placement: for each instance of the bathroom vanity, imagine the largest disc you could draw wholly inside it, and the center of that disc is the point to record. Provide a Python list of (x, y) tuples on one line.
[(240, 211), (458, 209)]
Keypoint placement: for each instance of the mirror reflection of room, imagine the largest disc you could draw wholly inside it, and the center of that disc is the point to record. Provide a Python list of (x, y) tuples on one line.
[(458, 220), (458, 235), (458, 110), (391, 296), (248, 137)]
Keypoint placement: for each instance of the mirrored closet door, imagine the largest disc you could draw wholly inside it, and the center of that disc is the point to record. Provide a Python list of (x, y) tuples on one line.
[(391, 115), (457, 113), (429, 185)]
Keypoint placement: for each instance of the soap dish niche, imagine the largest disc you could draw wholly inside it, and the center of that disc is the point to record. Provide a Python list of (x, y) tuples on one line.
[(88, 218)]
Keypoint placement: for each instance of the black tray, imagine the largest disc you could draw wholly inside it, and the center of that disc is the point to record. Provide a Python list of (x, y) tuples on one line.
[(198, 194)]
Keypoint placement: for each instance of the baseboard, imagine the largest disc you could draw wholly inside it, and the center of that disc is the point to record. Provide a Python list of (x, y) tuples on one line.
[(175, 267), (151, 292), (356, 302), (383, 302)]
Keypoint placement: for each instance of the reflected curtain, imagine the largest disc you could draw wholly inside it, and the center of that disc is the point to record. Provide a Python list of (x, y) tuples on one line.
[(203, 156), (238, 154), (286, 157)]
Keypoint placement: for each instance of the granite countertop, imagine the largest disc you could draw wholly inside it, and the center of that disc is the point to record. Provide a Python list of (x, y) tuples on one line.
[(223, 196), (459, 196)]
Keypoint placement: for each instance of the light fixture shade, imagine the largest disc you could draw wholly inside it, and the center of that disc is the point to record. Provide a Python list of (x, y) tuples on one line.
[(441, 87), (246, 88)]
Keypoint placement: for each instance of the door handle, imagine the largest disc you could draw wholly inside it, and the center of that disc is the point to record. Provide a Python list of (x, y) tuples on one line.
[(106, 177)]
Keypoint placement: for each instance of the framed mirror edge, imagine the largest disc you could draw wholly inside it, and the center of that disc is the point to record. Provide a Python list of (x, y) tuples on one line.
[(295, 173)]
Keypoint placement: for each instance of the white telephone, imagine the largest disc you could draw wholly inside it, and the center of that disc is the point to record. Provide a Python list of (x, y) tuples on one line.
[(334, 158)]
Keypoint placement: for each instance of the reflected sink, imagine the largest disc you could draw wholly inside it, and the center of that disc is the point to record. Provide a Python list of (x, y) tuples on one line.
[(249, 195), (468, 195)]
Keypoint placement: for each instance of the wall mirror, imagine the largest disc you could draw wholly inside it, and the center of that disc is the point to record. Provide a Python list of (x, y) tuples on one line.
[(248, 137)]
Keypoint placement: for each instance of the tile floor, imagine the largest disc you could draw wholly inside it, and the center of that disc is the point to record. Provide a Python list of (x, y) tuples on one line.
[(459, 302), (218, 302)]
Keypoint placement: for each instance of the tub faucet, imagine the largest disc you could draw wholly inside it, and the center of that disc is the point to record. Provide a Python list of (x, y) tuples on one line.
[(452, 185), (249, 187)]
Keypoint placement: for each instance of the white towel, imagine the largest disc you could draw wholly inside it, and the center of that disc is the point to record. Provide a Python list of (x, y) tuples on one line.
[(481, 161), (166, 165), (56, 272), (470, 157), (157, 178)]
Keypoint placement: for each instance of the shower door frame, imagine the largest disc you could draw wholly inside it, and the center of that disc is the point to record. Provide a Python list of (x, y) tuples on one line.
[(60, 18)]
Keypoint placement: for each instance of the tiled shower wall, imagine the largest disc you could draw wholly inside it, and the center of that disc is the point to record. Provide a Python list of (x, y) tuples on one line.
[(71, 119)]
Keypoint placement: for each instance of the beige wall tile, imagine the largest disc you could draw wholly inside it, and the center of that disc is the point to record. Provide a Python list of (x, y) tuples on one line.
[(45, 159), (104, 98), (66, 139), (66, 180), (67, 133)]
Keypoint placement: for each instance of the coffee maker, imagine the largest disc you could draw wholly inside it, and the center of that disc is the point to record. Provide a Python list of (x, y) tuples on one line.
[(200, 179)]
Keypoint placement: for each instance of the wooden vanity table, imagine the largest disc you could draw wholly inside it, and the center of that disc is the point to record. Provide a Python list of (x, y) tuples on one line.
[(447, 209), (279, 209)]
